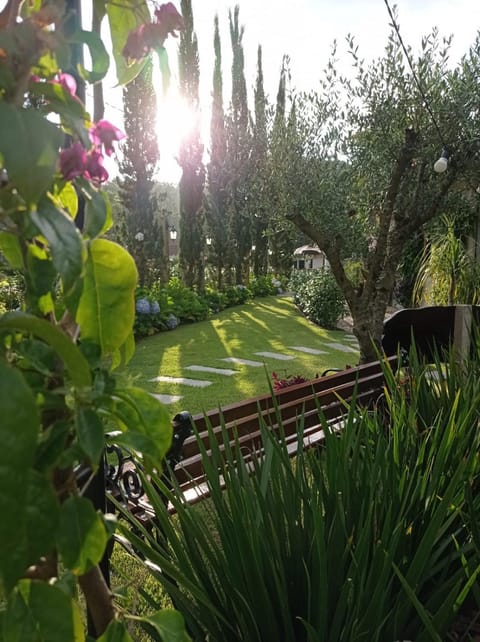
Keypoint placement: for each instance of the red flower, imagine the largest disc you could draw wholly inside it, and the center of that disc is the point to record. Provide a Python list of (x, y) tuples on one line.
[(104, 133), (73, 161), (95, 171)]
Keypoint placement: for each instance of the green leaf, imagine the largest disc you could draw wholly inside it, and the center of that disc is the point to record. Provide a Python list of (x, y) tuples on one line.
[(170, 624), (74, 361), (98, 54), (19, 430), (123, 19), (98, 211), (10, 248), (40, 278), (106, 310), (29, 144), (149, 428), (90, 435), (40, 612), (164, 68), (116, 632), (81, 535), (42, 516), (51, 445), (66, 198), (64, 240)]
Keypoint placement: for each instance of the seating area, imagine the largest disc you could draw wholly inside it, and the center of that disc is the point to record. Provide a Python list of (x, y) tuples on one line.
[(238, 429)]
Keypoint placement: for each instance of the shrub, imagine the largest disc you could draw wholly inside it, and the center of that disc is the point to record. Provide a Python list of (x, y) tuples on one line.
[(11, 291), (263, 286), (368, 539), (318, 296)]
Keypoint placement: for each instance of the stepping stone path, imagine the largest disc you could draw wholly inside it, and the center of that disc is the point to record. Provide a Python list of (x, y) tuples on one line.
[(341, 347), (275, 355), (222, 371), (308, 350), (243, 362), (350, 345), (166, 399), (197, 383)]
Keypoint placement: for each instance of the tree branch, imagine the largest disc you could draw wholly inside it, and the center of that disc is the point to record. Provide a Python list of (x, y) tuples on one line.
[(98, 597)]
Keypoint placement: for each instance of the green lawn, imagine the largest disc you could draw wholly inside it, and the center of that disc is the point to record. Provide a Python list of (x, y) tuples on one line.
[(267, 324)]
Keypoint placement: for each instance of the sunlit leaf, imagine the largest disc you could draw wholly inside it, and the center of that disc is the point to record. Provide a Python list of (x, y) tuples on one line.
[(19, 429), (123, 19), (22, 130), (106, 310), (81, 535)]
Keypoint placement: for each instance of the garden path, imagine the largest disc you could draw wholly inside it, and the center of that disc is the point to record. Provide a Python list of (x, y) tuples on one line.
[(349, 345)]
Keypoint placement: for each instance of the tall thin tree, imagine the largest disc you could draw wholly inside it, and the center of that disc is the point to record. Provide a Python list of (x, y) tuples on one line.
[(239, 151), (216, 200), (140, 156), (191, 243)]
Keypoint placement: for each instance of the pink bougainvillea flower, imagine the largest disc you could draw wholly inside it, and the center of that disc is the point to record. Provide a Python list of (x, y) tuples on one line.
[(73, 161), (136, 47), (152, 35), (67, 81), (104, 133), (95, 171), (168, 16)]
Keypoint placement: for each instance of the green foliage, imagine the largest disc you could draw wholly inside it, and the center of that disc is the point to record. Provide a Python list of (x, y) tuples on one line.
[(447, 273), (367, 538), (262, 286), (58, 352), (318, 296)]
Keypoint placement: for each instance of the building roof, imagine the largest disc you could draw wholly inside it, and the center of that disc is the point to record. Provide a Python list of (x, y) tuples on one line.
[(307, 249)]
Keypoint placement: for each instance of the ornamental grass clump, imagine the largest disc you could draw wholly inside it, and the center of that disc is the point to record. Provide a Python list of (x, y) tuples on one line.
[(367, 538)]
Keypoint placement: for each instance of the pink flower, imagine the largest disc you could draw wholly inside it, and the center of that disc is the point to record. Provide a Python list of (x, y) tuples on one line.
[(95, 171), (73, 161), (67, 81), (104, 133), (168, 16), (136, 47), (153, 34)]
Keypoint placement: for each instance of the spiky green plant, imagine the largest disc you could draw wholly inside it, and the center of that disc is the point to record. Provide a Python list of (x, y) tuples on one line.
[(367, 539)]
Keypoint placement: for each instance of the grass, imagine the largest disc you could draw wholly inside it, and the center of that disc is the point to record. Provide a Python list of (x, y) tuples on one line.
[(271, 324)]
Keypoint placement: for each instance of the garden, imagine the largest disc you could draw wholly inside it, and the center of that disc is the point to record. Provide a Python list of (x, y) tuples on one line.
[(124, 300)]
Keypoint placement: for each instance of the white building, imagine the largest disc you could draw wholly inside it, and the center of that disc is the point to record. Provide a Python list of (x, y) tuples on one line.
[(309, 257)]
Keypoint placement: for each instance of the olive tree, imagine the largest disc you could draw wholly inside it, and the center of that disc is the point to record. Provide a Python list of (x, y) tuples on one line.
[(355, 170)]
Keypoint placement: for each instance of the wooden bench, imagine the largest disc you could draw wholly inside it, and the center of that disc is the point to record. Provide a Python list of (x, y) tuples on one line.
[(240, 424)]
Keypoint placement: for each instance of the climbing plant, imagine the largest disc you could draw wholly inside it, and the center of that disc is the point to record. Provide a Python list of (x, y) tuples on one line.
[(59, 394)]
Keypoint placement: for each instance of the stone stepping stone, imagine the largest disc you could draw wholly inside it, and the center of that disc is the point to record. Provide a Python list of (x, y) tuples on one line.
[(275, 355), (196, 383), (308, 350), (243, 362), (351, 337), (166, 399), (341, 347), (221, 371)]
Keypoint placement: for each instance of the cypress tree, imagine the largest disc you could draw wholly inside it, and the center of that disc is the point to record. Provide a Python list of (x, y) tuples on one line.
[(238, 153), (216, 172), (144, 236), (191, 241), (258, 189)]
